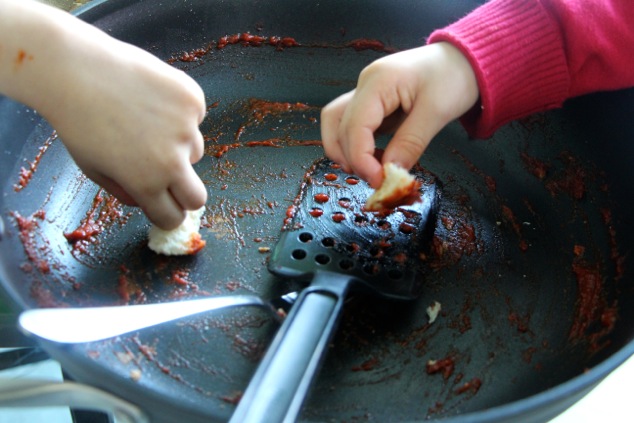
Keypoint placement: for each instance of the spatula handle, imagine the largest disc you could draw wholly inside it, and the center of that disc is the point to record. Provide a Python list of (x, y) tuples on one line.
[(280, 384)]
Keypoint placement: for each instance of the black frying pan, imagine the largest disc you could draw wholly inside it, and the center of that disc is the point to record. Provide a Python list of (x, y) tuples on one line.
[(517, 336)]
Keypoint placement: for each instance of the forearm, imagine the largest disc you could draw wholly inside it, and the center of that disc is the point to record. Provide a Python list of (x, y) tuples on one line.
[(531, 56), (39, 50), (510, 62), (128, 119)]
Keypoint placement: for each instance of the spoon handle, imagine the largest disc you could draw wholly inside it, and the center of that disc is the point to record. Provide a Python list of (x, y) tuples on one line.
[(86, 324)]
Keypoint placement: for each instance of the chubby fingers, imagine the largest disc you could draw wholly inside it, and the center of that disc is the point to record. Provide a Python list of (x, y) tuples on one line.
[(348, 124), (412, 137), (165, 205), (331, 116), (162, 186)]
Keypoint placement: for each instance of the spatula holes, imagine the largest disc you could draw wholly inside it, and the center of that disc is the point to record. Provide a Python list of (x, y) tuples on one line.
[(406, 228), (395, 274), (344, 202), (346, 264), (360, 220), (371, 269), (383, 225), (328, 242), (321, 197), (352, 180), (338, 217), (376, 251), (353, 248), (305, 237), (322, 259), (316, 212), (299, 254)]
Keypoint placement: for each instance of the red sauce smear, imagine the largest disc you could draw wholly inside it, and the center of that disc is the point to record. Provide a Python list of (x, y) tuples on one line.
[(473, 385), (316, 212), (263, 108), (26, 174), (615, 255), (444, 366), (345, 203), (127, 288), (369, 44), (105, 210), (589, 299), (266, 143), (249, 40), (536, 167), (571, 182), (338, 217), (488, 180), (28, 227), (367, 365), (406, 228), (21, 57), (321, 198), (195, 244)]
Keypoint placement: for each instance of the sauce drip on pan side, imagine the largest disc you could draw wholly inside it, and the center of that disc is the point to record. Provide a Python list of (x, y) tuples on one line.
[(246, 39)]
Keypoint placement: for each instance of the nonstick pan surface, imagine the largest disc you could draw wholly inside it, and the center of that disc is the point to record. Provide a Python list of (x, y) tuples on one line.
[(530, 256)]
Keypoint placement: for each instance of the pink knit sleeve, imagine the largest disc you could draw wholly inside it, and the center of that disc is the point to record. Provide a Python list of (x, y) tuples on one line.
[(531, 55)]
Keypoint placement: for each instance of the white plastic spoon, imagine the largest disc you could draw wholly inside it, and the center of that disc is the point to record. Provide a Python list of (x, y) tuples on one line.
[(76, 325)]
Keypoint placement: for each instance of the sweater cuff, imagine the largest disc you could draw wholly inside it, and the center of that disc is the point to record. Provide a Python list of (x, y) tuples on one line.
[(518, 57)]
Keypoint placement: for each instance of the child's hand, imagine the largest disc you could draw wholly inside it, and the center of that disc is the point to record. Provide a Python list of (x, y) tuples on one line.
[(130, 121), (420, 90)]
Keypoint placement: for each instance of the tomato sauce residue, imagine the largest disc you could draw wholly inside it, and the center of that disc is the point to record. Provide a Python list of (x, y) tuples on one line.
[(406, 228), (472, 386), (192, 56), (180, 278), (591, 305), (247, 39), (260, 109), (367, 365), (28, 227), (352, 180), (330, 177), (105, 210), (536, 167), (128, 290), (444, 366), (195, 243), (316, 212), (369, 44), (488, 180), (26, 174), (321, 198), (571, 181), (338, 217), (344, 202), (264, 143), (21, 57), (615, 255)]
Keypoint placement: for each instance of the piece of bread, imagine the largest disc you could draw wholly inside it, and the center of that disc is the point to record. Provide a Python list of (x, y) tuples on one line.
[(399, 188), (183, 240)]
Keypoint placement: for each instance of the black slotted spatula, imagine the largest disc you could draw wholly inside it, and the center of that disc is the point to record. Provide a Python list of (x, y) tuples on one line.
[(330, 242)]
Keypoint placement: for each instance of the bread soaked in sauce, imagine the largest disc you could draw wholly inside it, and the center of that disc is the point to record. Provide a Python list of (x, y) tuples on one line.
[(399, 188)]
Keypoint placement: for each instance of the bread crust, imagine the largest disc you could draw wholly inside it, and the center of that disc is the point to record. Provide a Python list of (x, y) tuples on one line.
[(399, 188)]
